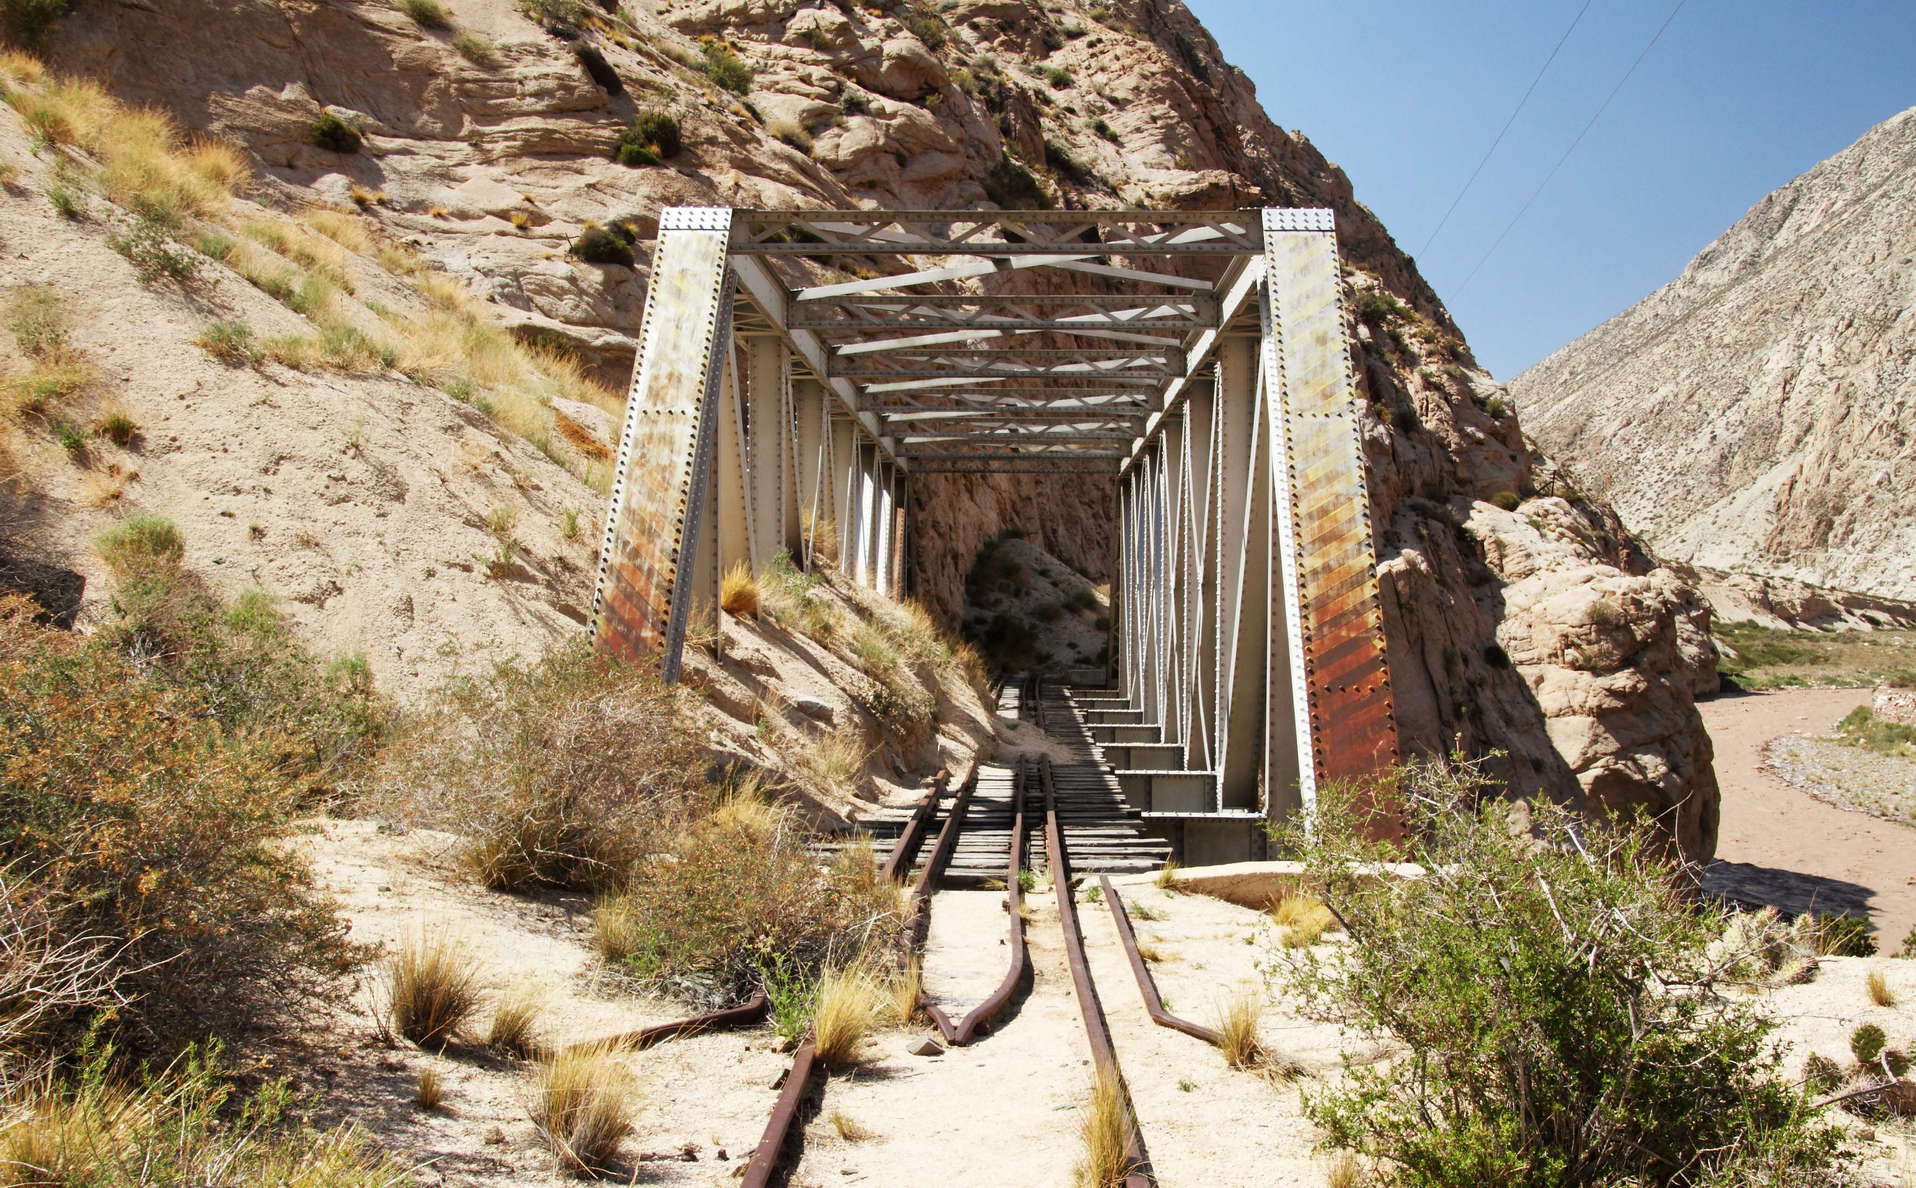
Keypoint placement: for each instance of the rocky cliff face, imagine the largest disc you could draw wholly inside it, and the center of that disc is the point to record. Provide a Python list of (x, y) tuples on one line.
[(1521, 616), (1754, 414)]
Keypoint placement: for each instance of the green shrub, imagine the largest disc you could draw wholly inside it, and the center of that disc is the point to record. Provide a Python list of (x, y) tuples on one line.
[(39, 319), (554, 12), (1862, 728), (564, 772), (1867, 1042), (1496, 406), (1507, 500), (140, 543), (597, 244), (25, 22), (1379, 305), (740, 901), (231, 343), (1012, 187), (474, 48), (648, 140), (1822, 1075), (1104, 131), (1058, 77), (159, 829), (725, 68), (428, 14), (334, 134), (1562, 1016), (149, 246)]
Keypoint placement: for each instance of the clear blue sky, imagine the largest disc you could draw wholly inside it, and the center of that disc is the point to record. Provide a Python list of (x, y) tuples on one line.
[(1738, 97)]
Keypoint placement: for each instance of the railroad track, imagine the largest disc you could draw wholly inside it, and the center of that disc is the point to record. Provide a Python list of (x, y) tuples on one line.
[(980, 834)]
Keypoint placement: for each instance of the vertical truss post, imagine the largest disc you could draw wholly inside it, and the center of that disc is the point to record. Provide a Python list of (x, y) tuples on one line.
[(1345, 724), (768, 423), (845, 491), (642, 600), (1200, 679), (900, 531), (1241, 459), (1176, 588), (733, 496), (812, 439)]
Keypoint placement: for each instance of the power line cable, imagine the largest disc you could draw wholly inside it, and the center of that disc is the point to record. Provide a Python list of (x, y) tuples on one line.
[(1514, 113), (1525, 209)]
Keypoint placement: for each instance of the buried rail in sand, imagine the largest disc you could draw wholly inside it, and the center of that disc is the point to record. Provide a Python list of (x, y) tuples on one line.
[(994, 1003), (1147, 985)]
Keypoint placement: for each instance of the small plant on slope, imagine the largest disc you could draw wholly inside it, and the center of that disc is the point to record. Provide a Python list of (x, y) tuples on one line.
[(433, 984), (582, 1105)]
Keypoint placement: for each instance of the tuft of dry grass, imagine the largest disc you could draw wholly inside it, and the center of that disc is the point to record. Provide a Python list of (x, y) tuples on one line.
[(514, 1028), (1303, 918), (1877, 986), (582, 1104), (832, 762), (849, 1129), (430, 1091), (432, 983), (1167, 878), (1237, 1034), (738, 591), (1104, 1130), (821, 536), (846, 1004), (1344, 1171), (905, 989)]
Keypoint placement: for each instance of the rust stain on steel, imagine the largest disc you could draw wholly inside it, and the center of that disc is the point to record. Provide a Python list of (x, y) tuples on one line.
[(1147, 985), (664, 449), (1352, 720)]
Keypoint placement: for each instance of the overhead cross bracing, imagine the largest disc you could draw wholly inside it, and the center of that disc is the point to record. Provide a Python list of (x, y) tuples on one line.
[(798, 370)]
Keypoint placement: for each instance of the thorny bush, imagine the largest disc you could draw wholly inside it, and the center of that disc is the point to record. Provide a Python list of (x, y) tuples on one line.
[(1556, 996)]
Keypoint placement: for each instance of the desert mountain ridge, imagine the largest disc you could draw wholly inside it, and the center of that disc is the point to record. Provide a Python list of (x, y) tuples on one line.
[(1753, 415)]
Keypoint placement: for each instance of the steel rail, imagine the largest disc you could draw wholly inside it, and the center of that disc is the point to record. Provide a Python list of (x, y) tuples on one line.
[(905, 850), (994, 1004), (1147, 985), (947, 840), (778, 1129), (1097, 1031), (747, 1013)]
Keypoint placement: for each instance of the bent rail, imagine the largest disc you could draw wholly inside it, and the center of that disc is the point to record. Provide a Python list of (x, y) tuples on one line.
[(1147, 985), (994, 1004), (778, 1129)]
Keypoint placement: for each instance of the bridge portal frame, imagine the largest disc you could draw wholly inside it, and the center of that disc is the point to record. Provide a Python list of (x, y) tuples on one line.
[(797, 369)]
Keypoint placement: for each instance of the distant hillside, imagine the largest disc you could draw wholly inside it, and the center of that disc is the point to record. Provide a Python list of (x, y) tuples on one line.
[(1755, 413)]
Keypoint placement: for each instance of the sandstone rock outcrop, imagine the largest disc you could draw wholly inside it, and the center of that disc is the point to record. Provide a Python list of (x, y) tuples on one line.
[(1522, 618), (1754, 414)]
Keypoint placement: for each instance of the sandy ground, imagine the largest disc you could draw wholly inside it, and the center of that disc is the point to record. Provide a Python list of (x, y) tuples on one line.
[(1780, 845), (702, 1101)]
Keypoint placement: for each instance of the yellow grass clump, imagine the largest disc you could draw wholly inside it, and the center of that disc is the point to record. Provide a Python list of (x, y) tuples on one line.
[(821, 537), (582, 1104), (1104, 1129), (1877, 986), (738, 591), (847, 1003), (429, 1093), (907, 987), (1237, 1034), (514, 1028), (832, 762), (1303, 918), (432, 983)]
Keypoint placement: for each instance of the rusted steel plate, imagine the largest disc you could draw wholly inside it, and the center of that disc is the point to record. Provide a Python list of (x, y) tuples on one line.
[(665, 447), (1348, 720)]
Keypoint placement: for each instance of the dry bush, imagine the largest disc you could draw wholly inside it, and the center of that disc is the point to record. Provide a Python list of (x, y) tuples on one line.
[(793, 599), (1877, 987), (140, 542), (1104, 1130), (582, 1104), (1237, 1034), (1344, 1171), (738, 592), (849, 1128), (432, 987), (904, 992), (158, 824), (514, 1030), (1167, 876), (49, 974), (179, 1126), (738, 901), (843, 1010), (563, 772)]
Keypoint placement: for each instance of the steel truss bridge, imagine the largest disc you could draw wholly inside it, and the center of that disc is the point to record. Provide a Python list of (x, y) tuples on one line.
[(797, 370)]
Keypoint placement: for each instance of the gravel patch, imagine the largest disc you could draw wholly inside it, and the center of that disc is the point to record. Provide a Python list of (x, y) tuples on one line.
[(1845, 776)]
